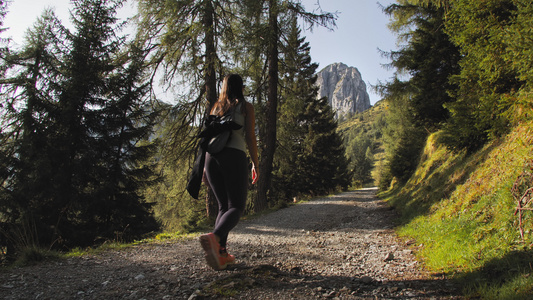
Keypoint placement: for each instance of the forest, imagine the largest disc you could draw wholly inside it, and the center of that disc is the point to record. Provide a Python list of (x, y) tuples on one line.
[(458, 140), (89, 153)]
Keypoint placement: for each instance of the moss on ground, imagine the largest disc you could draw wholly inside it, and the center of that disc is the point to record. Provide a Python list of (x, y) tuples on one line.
[(462, 209)]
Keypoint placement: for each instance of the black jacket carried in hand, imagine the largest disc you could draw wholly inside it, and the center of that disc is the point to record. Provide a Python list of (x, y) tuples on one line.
[(213, 126)]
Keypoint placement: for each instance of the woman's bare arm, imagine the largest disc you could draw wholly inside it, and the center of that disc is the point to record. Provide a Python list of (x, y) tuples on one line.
[(251, 140)]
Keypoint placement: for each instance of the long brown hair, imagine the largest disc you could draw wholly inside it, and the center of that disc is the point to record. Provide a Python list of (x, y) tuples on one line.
[(230, 95)]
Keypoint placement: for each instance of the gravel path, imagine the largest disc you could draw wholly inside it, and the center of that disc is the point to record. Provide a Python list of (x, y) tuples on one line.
[(338, 247)]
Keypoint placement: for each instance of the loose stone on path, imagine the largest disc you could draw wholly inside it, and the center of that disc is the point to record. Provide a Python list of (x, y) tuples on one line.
[(338, 247)]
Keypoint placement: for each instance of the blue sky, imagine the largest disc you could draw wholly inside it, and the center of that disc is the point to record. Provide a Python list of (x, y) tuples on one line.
[(361, 29)]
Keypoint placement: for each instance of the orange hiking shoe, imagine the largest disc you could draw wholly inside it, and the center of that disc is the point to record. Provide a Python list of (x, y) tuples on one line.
[(212, 252), (227, 258)]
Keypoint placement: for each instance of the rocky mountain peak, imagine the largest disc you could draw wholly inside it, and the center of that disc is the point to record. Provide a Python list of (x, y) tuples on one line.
[(345, 89)]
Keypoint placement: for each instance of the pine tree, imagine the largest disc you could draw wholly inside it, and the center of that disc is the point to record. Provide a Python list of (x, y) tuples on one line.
[(428, 57), (271, 108), (518, 52), (269, 14), (83, 115), (307, 136), (323, 162), (298, 89), (189, 37), (488, 83), (28, 124), (418, 102)]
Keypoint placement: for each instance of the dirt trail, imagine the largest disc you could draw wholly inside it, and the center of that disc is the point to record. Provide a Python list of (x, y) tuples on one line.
[(338, 247)]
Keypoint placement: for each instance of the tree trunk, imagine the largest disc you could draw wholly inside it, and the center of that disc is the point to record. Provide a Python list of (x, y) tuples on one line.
[(267, 156), (210, 86)]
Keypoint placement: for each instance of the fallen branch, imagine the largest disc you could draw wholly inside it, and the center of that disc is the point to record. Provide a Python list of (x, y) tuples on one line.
[(526, 178), (525, 199)]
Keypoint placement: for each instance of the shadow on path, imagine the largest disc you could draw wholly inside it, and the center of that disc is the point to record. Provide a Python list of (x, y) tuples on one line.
[(331, 247), (358, 209), (252, 282)]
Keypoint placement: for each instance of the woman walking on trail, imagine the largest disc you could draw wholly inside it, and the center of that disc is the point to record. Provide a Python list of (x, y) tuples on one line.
[(226, 172)]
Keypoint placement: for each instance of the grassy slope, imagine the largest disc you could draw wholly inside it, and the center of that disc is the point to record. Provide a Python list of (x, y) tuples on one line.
[(363, 121), (368, 122), (461, 210)]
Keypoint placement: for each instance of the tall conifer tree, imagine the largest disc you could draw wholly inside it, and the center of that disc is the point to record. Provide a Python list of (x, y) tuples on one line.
[(304, 123), (76, 130), (270, 14), (271, 108), (323, 159), (298, 89), (187, 38), (429, 58), (488, 81), (418, 101)]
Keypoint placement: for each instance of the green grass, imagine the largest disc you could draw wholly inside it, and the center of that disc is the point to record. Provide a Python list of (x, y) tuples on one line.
[(163, 237), (461, 209), (32, 255)]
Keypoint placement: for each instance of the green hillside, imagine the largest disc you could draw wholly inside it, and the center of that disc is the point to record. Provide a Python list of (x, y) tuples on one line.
[(458, 140), (461, 212), (361, 132)]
